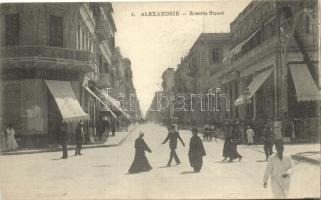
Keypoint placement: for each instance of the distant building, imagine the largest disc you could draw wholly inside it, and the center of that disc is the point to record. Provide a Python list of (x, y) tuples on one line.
[(193, 75), (123, 86), (154, 113)]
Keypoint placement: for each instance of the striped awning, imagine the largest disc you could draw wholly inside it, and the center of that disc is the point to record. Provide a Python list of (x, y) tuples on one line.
[(305, 87), (256, 83), (66, 100), (115, 103)]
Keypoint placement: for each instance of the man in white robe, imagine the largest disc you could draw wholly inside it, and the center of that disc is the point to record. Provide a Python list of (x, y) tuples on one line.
[(250, 135), (280, 168)]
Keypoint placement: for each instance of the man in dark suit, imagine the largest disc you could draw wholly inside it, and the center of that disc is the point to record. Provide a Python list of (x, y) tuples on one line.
[(172, 136), (113, 127), (80, 137), (63, 140)]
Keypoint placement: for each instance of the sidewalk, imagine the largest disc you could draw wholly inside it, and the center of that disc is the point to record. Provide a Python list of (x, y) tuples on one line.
[(305, 152), (116, 140)]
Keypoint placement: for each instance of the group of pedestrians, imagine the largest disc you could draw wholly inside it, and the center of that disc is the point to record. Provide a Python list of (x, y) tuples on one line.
[(107, 126), (8, 139), (79, 138), (279, 167), (195, 153)]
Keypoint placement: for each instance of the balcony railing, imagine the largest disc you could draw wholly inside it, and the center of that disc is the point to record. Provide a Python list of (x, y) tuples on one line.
[(71, 57), (254, 54), (45, 52)]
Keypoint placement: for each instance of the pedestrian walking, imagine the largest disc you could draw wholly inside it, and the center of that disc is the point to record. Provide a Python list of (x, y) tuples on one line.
[(268, 140), (80, 137), (280, 168), (140, 163), (214, 132), (250, 135), (91, 135), (11, 140), (113, 126), (172, 137), (100, 129), (227, 145), (106, 128), (277, 129), (63, 140), (235, 138), (3, 141), (196, 151)]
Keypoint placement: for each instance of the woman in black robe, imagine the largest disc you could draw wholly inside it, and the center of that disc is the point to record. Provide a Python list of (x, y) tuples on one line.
[(140, 163), (235, 137), (196, 151), (227, 146)]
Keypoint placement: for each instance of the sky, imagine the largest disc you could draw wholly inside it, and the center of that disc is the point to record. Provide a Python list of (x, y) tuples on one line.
[(154, 43)]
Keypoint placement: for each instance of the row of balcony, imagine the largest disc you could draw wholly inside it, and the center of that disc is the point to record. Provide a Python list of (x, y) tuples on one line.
[(48, 54)]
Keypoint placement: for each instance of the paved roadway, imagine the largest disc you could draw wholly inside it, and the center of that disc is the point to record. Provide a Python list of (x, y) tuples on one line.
[(101, 173)]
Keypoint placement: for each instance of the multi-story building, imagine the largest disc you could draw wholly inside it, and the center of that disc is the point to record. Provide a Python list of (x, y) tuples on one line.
[(182, 90), (154, 113), (161, 109), (48, 54), (194, 72), (124, 88), (168, 87), (272, 66)]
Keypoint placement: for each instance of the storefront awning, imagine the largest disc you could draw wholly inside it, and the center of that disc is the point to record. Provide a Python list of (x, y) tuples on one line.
[(238, 47), (113, 102), (102, 108), (66, 100), (305, 87), (256, 83)]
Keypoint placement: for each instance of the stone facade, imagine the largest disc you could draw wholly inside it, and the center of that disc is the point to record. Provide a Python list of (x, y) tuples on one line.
[(42, 41), (193, 74)]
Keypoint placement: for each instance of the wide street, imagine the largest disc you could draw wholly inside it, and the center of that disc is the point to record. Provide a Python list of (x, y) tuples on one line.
[(101, 173)]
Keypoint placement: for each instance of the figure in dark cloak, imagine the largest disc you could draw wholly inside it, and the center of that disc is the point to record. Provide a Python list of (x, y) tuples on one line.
[(227, 146), (196, 151), (235, 138), (140, 163)]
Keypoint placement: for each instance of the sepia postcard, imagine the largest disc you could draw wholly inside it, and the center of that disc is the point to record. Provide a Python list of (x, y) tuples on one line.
[(214, 99)]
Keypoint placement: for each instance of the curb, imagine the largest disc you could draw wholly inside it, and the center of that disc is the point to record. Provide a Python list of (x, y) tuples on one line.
[(307, 159), (295, 157), (71, 148)]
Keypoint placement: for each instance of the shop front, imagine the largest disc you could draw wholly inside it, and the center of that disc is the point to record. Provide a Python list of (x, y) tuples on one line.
[(36, 108)]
